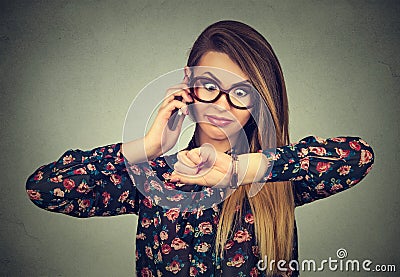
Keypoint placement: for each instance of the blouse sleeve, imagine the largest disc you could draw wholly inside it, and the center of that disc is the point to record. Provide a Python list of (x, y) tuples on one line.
[(86, 183), (320, 167)]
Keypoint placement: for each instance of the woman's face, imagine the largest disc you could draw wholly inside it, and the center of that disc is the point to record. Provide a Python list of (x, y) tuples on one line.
[(219, 121)]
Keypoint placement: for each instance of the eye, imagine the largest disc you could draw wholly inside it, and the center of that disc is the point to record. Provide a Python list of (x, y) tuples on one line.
[(241, 92), (209, 85)]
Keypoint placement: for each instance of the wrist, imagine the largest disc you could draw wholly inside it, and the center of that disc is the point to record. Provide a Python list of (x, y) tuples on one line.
[(152, 149), (139, 150), (251, 167)]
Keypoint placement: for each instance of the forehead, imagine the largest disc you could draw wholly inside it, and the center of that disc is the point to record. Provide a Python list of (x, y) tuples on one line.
[(221, 66)]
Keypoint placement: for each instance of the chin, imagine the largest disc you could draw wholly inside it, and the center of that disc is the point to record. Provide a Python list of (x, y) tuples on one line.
[(215, 132)]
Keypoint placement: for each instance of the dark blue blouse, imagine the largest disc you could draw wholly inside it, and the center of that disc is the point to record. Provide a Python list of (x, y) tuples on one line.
[(177, 241)]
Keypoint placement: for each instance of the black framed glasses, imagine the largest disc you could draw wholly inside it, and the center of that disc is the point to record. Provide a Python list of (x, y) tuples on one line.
[(207, 90)]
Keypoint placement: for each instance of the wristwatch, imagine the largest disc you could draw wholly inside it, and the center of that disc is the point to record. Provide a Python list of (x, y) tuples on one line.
[(234, 177)]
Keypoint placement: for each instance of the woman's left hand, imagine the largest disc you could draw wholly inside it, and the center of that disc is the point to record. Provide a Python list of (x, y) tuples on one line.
[(203, 166)]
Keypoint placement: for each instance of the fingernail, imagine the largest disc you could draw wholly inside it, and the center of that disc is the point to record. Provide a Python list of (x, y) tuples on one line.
[(184, 110), (199, 167)]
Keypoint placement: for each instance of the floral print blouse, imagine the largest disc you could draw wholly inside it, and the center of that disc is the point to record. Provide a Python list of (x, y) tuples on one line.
[(175, 242)]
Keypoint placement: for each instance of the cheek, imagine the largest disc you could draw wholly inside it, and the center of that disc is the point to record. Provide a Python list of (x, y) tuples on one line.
[(243, 117), (197, 110), (194, 111)]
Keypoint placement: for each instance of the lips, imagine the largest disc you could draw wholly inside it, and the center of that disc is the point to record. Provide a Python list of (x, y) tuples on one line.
[(218, 121)]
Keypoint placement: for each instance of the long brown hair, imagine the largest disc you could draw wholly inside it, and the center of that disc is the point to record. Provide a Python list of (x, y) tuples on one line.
[(273, 205)]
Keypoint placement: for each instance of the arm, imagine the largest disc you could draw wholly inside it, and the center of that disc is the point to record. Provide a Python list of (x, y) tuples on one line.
[(140, 150), (319, 167), (85, 183)]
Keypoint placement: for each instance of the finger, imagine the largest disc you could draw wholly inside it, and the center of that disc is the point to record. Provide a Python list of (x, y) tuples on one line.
[(202, 156), (178, 97), (168, 99), (187, 71), (182, 113), (194, 156), (183, 169), (186, 79), (188, 180), (184, 158), (180, 90), (208, 154), (175, 104)]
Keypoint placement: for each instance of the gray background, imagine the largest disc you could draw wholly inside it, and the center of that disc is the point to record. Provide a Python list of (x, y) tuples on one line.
[(70, 69)]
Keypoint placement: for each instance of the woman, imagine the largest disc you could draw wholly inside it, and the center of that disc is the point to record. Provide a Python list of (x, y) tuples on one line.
[(231, 237)]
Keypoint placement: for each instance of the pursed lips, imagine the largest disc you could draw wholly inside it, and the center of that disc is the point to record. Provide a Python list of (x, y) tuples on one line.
[(219, 121)]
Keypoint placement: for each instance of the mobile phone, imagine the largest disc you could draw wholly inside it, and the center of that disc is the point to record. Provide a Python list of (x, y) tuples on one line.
[(175, 116)]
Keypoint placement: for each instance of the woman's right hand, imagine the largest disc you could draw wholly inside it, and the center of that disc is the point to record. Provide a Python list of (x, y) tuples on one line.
[(160, 138)]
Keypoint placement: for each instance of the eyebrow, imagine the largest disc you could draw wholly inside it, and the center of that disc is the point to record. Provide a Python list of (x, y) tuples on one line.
[(233, 85)]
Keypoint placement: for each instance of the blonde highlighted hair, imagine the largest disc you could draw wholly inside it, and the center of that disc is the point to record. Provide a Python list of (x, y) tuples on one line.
[(273, 205)]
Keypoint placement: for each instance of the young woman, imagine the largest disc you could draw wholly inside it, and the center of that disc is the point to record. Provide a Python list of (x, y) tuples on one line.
[(230, 237)]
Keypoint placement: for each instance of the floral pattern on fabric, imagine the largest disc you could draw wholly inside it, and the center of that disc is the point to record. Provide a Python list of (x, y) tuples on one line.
[(175, 242)]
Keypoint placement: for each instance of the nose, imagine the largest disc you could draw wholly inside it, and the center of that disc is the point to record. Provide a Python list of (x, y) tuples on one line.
[(223, 102)]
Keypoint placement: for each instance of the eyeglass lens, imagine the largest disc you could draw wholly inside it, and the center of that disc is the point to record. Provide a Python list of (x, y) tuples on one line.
[(208, 90)]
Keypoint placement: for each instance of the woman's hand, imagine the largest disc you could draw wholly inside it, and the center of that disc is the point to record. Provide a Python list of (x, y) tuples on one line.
[(203, 166), (161, 138), (207, 167)]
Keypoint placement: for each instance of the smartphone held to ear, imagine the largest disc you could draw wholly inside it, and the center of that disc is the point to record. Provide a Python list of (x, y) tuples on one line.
[(175, 116), (177, 113)]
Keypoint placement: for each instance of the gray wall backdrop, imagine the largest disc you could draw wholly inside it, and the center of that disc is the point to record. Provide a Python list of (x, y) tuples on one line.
[(70, 69)]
